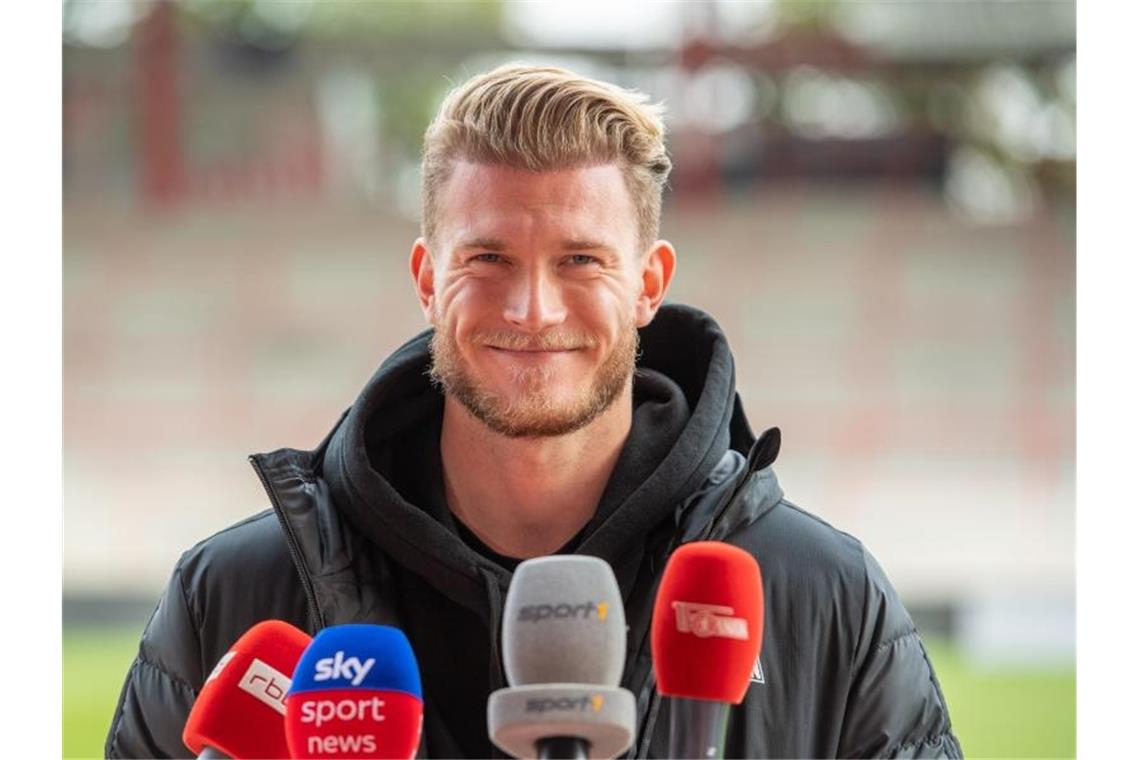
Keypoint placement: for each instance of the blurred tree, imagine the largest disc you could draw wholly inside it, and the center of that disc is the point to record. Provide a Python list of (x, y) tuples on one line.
[(816, 14), (471, 22)]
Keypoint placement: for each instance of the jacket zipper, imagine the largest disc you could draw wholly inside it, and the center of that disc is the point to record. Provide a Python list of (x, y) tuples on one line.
[(294, 549), (650, 722), (655, 700)]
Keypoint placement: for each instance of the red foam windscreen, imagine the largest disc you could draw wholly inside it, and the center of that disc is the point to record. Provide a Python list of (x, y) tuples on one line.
[(708, 622), (241, 709)]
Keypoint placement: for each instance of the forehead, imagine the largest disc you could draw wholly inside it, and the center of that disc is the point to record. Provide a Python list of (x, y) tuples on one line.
[(491, 200)]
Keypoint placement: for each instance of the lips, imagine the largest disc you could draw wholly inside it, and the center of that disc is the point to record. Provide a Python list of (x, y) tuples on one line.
[(533, 356)]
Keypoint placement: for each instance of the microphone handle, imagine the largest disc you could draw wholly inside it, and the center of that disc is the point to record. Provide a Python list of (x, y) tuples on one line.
[(697, 729), (209, 753), (563, 748)]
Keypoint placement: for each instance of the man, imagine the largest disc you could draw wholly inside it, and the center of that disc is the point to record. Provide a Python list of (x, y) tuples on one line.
[(556, 406)]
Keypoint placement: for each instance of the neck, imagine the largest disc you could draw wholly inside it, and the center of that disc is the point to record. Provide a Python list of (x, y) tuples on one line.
[(526, 497)]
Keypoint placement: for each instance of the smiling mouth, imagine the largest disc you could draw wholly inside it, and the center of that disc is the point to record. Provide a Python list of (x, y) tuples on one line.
[(532, 350)]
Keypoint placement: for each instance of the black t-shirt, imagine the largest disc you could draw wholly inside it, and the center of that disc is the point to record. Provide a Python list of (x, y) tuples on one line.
[(422, 485)]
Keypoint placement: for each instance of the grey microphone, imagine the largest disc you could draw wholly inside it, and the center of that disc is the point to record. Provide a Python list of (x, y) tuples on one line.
[(564, 641)]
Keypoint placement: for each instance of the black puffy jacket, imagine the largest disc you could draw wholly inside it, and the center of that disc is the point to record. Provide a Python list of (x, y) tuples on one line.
[(842, 670)]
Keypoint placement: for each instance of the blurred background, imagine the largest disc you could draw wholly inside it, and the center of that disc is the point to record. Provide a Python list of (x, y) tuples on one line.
[(875, 199)]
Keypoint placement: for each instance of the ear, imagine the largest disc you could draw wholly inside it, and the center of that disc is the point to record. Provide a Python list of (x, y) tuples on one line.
[(656, 273), (423, 277)]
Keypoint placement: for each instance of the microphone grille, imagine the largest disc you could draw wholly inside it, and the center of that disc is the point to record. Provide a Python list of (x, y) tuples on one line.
[(563, 622)]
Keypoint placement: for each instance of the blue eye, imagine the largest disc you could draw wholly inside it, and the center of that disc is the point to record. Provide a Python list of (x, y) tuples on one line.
[(490, 258), (582, 259)]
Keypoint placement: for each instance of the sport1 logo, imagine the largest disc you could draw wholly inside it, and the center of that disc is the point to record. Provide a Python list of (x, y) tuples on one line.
[(574, 704), (534, 613)]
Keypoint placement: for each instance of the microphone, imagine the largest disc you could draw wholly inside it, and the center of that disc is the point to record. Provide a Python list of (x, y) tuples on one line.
[(708, 622), (356, 693), (240, 710), (564, 640)]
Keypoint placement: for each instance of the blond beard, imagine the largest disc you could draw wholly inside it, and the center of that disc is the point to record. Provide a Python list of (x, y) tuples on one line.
[(533, 412)]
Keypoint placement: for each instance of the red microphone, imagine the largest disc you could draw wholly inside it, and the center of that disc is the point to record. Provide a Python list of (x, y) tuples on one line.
[(240, 712), (708, 622)]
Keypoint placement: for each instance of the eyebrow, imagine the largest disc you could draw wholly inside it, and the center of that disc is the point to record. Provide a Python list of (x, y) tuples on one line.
[(585, 245), (572, 244), (489, 244)]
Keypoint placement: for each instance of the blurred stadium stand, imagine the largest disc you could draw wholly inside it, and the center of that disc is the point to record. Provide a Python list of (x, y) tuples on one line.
[(874, 199)]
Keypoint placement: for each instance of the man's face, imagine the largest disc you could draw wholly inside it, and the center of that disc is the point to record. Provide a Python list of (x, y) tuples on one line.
[(536, 290)]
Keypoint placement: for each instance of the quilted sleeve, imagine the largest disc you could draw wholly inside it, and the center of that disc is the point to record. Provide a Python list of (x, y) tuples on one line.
[(162, 683), (895, 707)]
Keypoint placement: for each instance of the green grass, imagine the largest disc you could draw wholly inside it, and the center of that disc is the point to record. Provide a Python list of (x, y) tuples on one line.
[(1006, 712), (95, 662)]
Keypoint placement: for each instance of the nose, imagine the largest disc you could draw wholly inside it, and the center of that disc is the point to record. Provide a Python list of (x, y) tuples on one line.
[(535, 302)]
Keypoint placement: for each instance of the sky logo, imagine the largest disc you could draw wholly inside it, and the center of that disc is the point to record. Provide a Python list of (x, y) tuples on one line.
[(338, 667)]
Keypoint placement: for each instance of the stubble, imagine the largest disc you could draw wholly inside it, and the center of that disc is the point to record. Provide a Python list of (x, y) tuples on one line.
[(532, 411)]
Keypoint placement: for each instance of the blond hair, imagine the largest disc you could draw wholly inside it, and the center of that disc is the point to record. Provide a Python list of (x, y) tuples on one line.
[(543, 119)]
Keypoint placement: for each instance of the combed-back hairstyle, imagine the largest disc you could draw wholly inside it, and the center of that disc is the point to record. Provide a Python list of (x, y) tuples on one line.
[(542, 119)]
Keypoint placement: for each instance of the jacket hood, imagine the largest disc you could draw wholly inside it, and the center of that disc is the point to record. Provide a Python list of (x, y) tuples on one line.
[(684, 360)]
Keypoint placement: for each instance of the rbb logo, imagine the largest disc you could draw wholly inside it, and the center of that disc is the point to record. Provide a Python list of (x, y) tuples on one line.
[(339, 666), (534, 613), (266, 683), (705, 620), (579, 704)]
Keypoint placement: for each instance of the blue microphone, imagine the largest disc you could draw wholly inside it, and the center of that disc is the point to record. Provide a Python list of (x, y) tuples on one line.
[(356, 693)]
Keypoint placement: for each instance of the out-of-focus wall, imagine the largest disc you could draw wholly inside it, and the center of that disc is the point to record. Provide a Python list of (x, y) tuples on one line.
[(884, 229)]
